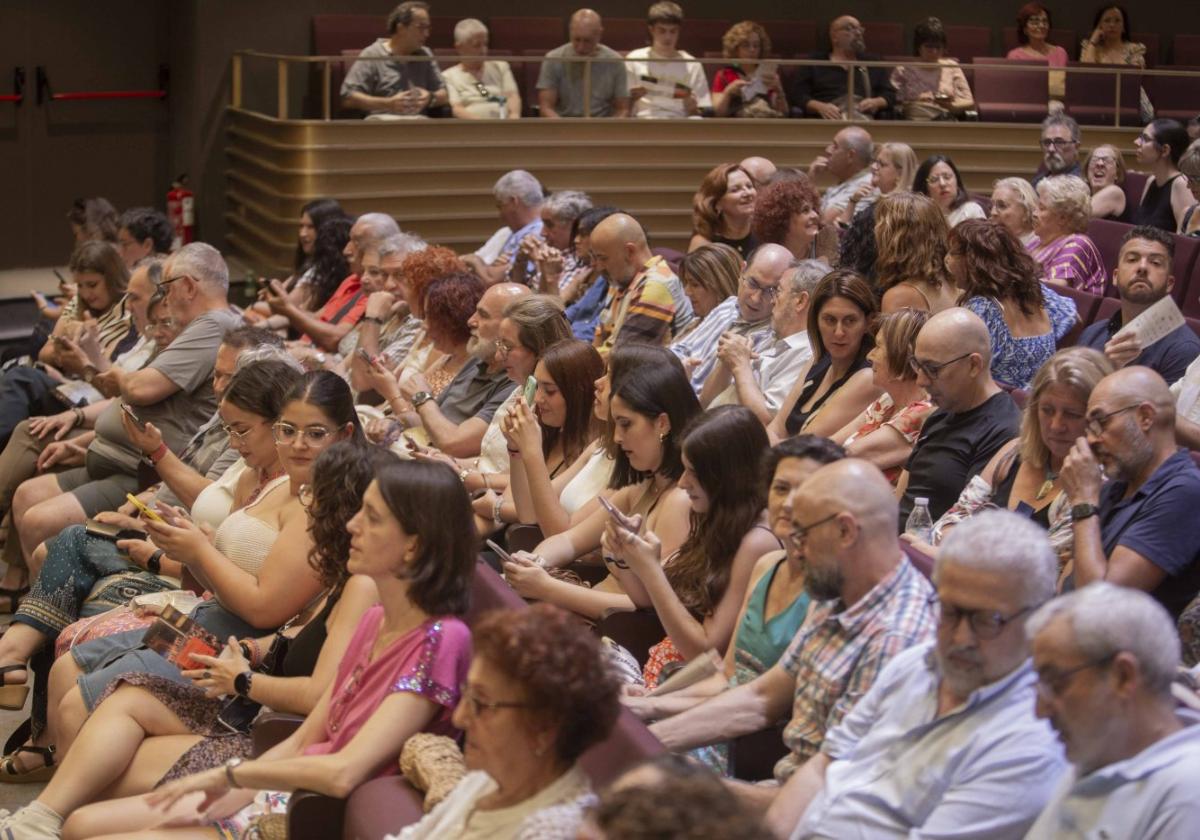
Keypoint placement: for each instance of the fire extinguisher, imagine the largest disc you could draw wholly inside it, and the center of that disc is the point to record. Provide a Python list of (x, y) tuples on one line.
[(181, 210)]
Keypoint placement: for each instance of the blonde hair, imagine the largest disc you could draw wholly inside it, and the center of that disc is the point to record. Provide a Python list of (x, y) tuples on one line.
[(905, 161), (1025, 195), (1071, 197), (1077, 368), (739, 33), (911, 235), (715, 267)]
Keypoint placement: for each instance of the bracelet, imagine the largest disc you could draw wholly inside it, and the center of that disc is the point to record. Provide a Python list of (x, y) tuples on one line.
[(514, 452), (78, 412), (257, 657), (247, 653), (496, 511), (158, 454), (371, 319)]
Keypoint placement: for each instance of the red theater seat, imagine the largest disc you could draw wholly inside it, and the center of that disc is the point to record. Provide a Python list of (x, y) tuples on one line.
[(518, 35), (1004, 94), (1090, 97)]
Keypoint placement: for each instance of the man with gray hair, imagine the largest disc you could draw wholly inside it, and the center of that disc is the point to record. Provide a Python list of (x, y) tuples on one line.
[(945, 743), (560, 84), (387, 328), (519, 197), (761, 379), (1060, 148), (848, 159), (551, 253), (1105, 658), (174, 393)]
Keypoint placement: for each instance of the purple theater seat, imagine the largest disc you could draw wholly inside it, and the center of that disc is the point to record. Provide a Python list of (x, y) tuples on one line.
[(1004, 94), (791, 37), (1090, 97), (516, 35), (1086, 305), (1175, 96)]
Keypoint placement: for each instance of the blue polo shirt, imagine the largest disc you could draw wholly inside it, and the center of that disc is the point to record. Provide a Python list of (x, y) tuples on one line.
[(1156, 522), (1169, 356)]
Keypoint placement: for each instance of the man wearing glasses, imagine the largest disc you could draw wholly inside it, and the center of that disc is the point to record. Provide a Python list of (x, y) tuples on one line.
[(1105, 658), (946, 742), (748, 313), (1139, 528), (390, 85), (1060, 148), (974, 419)]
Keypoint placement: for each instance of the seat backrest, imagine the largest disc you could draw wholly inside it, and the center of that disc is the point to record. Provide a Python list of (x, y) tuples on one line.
[(1132, 186), (516, 35), (1183, 268), (1153, 44), (1108, 307), (628, 744), (332, 34), (885, 38), (624, 34), (791, 37), (1107, 235), (490, 592), (1186, 50), (1064, 38), (1002, 91), (1085, 306), (968, 40), (1175, 96), (1194, 326), (702, 34), (1089, 96)]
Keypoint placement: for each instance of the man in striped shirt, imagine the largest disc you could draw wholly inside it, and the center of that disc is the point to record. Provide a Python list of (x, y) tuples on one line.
[(871, 604)]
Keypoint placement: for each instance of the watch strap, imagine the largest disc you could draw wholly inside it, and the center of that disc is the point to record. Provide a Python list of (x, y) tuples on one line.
[(154, 562), (1083, 511), (241, 683), (420, 398)]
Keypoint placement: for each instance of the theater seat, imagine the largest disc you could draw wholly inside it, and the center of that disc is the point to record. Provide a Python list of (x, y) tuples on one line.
[(885, 38), (490, 592), (516, 35), (1086, 305), (637, 631), (1175, 96), (968, 40), (1003, 94), (1107, 235), (1064, 38), (1089, 98), (791, 37), (625, 34), (673, 257), (1132, 186), (752, 757), (1109, 306), (1186, 50), (1194, 325)]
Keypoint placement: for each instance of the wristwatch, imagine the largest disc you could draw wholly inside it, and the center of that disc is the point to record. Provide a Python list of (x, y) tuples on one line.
[(241, 683), (420, 398), (231, 765), (1083, 511), (154, 562)]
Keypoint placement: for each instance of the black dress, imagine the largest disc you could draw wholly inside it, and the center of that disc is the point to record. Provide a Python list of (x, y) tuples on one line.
[(1155, 209), (1003, 493), (798, 417)]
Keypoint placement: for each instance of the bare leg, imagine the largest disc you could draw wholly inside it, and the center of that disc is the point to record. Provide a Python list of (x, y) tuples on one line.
[(121, 818), (72, 715), (154, 758), (63, 675), (29, 494), (19, 642), (47, 518), (107, 746)]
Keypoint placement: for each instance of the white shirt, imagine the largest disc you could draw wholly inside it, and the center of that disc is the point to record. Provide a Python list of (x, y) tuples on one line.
[(964, 211), (664, 79), (776, 370), (1186, 391), (838, 196), (1152, 794)]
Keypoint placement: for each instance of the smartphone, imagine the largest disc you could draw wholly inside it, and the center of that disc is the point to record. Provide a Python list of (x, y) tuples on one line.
[(412, 445), (504, 556), (145, 511), (365, 356), (112, 533), (129, 413), (530, 390)]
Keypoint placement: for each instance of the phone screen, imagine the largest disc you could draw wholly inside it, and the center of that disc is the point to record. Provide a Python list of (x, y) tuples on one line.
[(530, 390)]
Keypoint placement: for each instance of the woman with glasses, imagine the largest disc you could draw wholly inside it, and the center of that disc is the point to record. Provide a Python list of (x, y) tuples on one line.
[(255, 565), (1189, 165), (839, 384), (938, 178), (1105, 173), (1033, 32), (999, 282), (401, 673), (1166, 196), (886, 431), (892, 169), (1023, 475), (154, 724), (1067, 255)]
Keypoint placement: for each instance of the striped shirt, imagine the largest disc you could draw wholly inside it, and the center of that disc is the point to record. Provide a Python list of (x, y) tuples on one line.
[(1072, 259), (642, 311), (839, 652), (701, 343)]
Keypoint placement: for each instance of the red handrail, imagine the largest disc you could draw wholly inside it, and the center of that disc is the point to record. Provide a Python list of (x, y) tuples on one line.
[(18, 94), (111, 94), (11, 97)]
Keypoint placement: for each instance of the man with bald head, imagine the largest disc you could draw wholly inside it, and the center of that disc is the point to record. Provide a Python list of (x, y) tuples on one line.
[(760, 170), (1137, 529), (848, 159), (974, 417), (646, 302), (560, 87), (871, 605), (746, 314), (821, 90)]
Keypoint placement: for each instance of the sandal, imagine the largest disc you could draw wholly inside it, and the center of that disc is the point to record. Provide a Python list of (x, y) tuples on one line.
[(14, 597), (13, 695), (11, 774)]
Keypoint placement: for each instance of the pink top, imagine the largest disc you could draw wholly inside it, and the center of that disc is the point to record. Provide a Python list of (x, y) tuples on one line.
[(1057, 57), (430, 661)]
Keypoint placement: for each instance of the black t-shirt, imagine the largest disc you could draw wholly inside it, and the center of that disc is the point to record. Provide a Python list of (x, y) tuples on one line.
[(953, 448)]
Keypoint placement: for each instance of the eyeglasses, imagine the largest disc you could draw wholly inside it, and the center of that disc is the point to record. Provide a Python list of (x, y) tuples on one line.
[(1057, 142), (946, 178), (167, 281), (1052, 684), (305, 496), (234, 434), (288, 435), (478, 706), (768, 292), (1147, 138), (1038, 21), (933, 370), (985, 624), (503, 348), (800, 532), (1097, 425)]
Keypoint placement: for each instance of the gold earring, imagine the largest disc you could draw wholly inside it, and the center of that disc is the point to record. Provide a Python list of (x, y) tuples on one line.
[(663, 437)]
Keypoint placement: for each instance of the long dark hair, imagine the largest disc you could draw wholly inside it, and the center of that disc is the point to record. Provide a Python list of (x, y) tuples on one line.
[(431, 504), (723, 446), (651, 390), (330, 393), (622, 359), (998, 266), (844, 284), (328, 262), (574, 366), (921, 179), (318, 210)]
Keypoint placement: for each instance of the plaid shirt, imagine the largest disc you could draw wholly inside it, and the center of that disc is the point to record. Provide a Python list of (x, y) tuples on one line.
[(839, 652), (643, 311)]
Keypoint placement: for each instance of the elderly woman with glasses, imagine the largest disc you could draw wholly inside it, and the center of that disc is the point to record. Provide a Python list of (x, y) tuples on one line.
[(1105, 173), (1024, 474), (480, 89), (1061, 245)]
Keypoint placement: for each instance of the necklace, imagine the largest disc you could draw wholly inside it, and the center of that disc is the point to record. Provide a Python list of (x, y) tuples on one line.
[(262, 483), (1047, 485)]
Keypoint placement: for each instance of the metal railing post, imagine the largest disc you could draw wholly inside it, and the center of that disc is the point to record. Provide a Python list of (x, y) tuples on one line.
[(235, 77), (850, 109), (587, 87), (283, 89), (326, 92)]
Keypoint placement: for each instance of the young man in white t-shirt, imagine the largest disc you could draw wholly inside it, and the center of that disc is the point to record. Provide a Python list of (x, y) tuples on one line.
[(664, 82)]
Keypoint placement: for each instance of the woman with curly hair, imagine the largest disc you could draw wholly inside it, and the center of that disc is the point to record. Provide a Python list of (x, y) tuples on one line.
[(910, 234), (1013, 204), (999, 283), (722, 208), (401, 673), (788, 213), (747, 87), (538, 694), (164, 730), (697, 591)]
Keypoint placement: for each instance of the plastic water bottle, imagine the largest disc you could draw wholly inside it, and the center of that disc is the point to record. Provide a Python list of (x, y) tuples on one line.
[(920, 523)]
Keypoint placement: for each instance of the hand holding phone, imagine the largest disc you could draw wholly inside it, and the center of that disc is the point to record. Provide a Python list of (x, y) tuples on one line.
[(530, 390), (145, 511), (504, 556), (129, 413), (620, 518)]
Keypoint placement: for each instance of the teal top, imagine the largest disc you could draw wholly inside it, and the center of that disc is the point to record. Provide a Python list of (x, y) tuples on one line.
[(759, 644)]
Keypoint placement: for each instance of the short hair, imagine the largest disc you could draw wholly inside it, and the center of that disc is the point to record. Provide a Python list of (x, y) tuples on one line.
[(1169, 132), (402, 15), (1065, 120), (1189, 161), (558, 663), (204, 264), (739, 33), (96, 217), (1079, 369), (861, 144), (651, 390), (246, 336), (567, 205), (1107, 619), (1151, 234), (811, 447), (911, 234), (715, 267), (897, 332), (921, 178), (379, 225), (904, 159), (804, 275), (520, 185), (1120, 162), (1025, 13), (1070, 196), (98, 256), (665, 12), (705, 217), (261, 388), (540, 321), (401, 244), (997, 265), (468, 28), (431, 504), (267, 353), (147, 223), (777, 203), (1125, 25), (450, 301), (1007, 543), (331, 394), (844, 284), (928, 32), (1025, 193)]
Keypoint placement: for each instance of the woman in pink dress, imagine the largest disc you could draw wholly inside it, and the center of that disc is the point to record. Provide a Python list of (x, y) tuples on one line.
[(1033, 29)]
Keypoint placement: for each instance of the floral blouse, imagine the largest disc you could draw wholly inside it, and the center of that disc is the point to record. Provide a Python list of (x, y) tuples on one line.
[(907, 421), (1016, 360)]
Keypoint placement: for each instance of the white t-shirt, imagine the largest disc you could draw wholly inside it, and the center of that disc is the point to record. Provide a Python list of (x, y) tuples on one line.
[(463, 89), (663, 80)]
